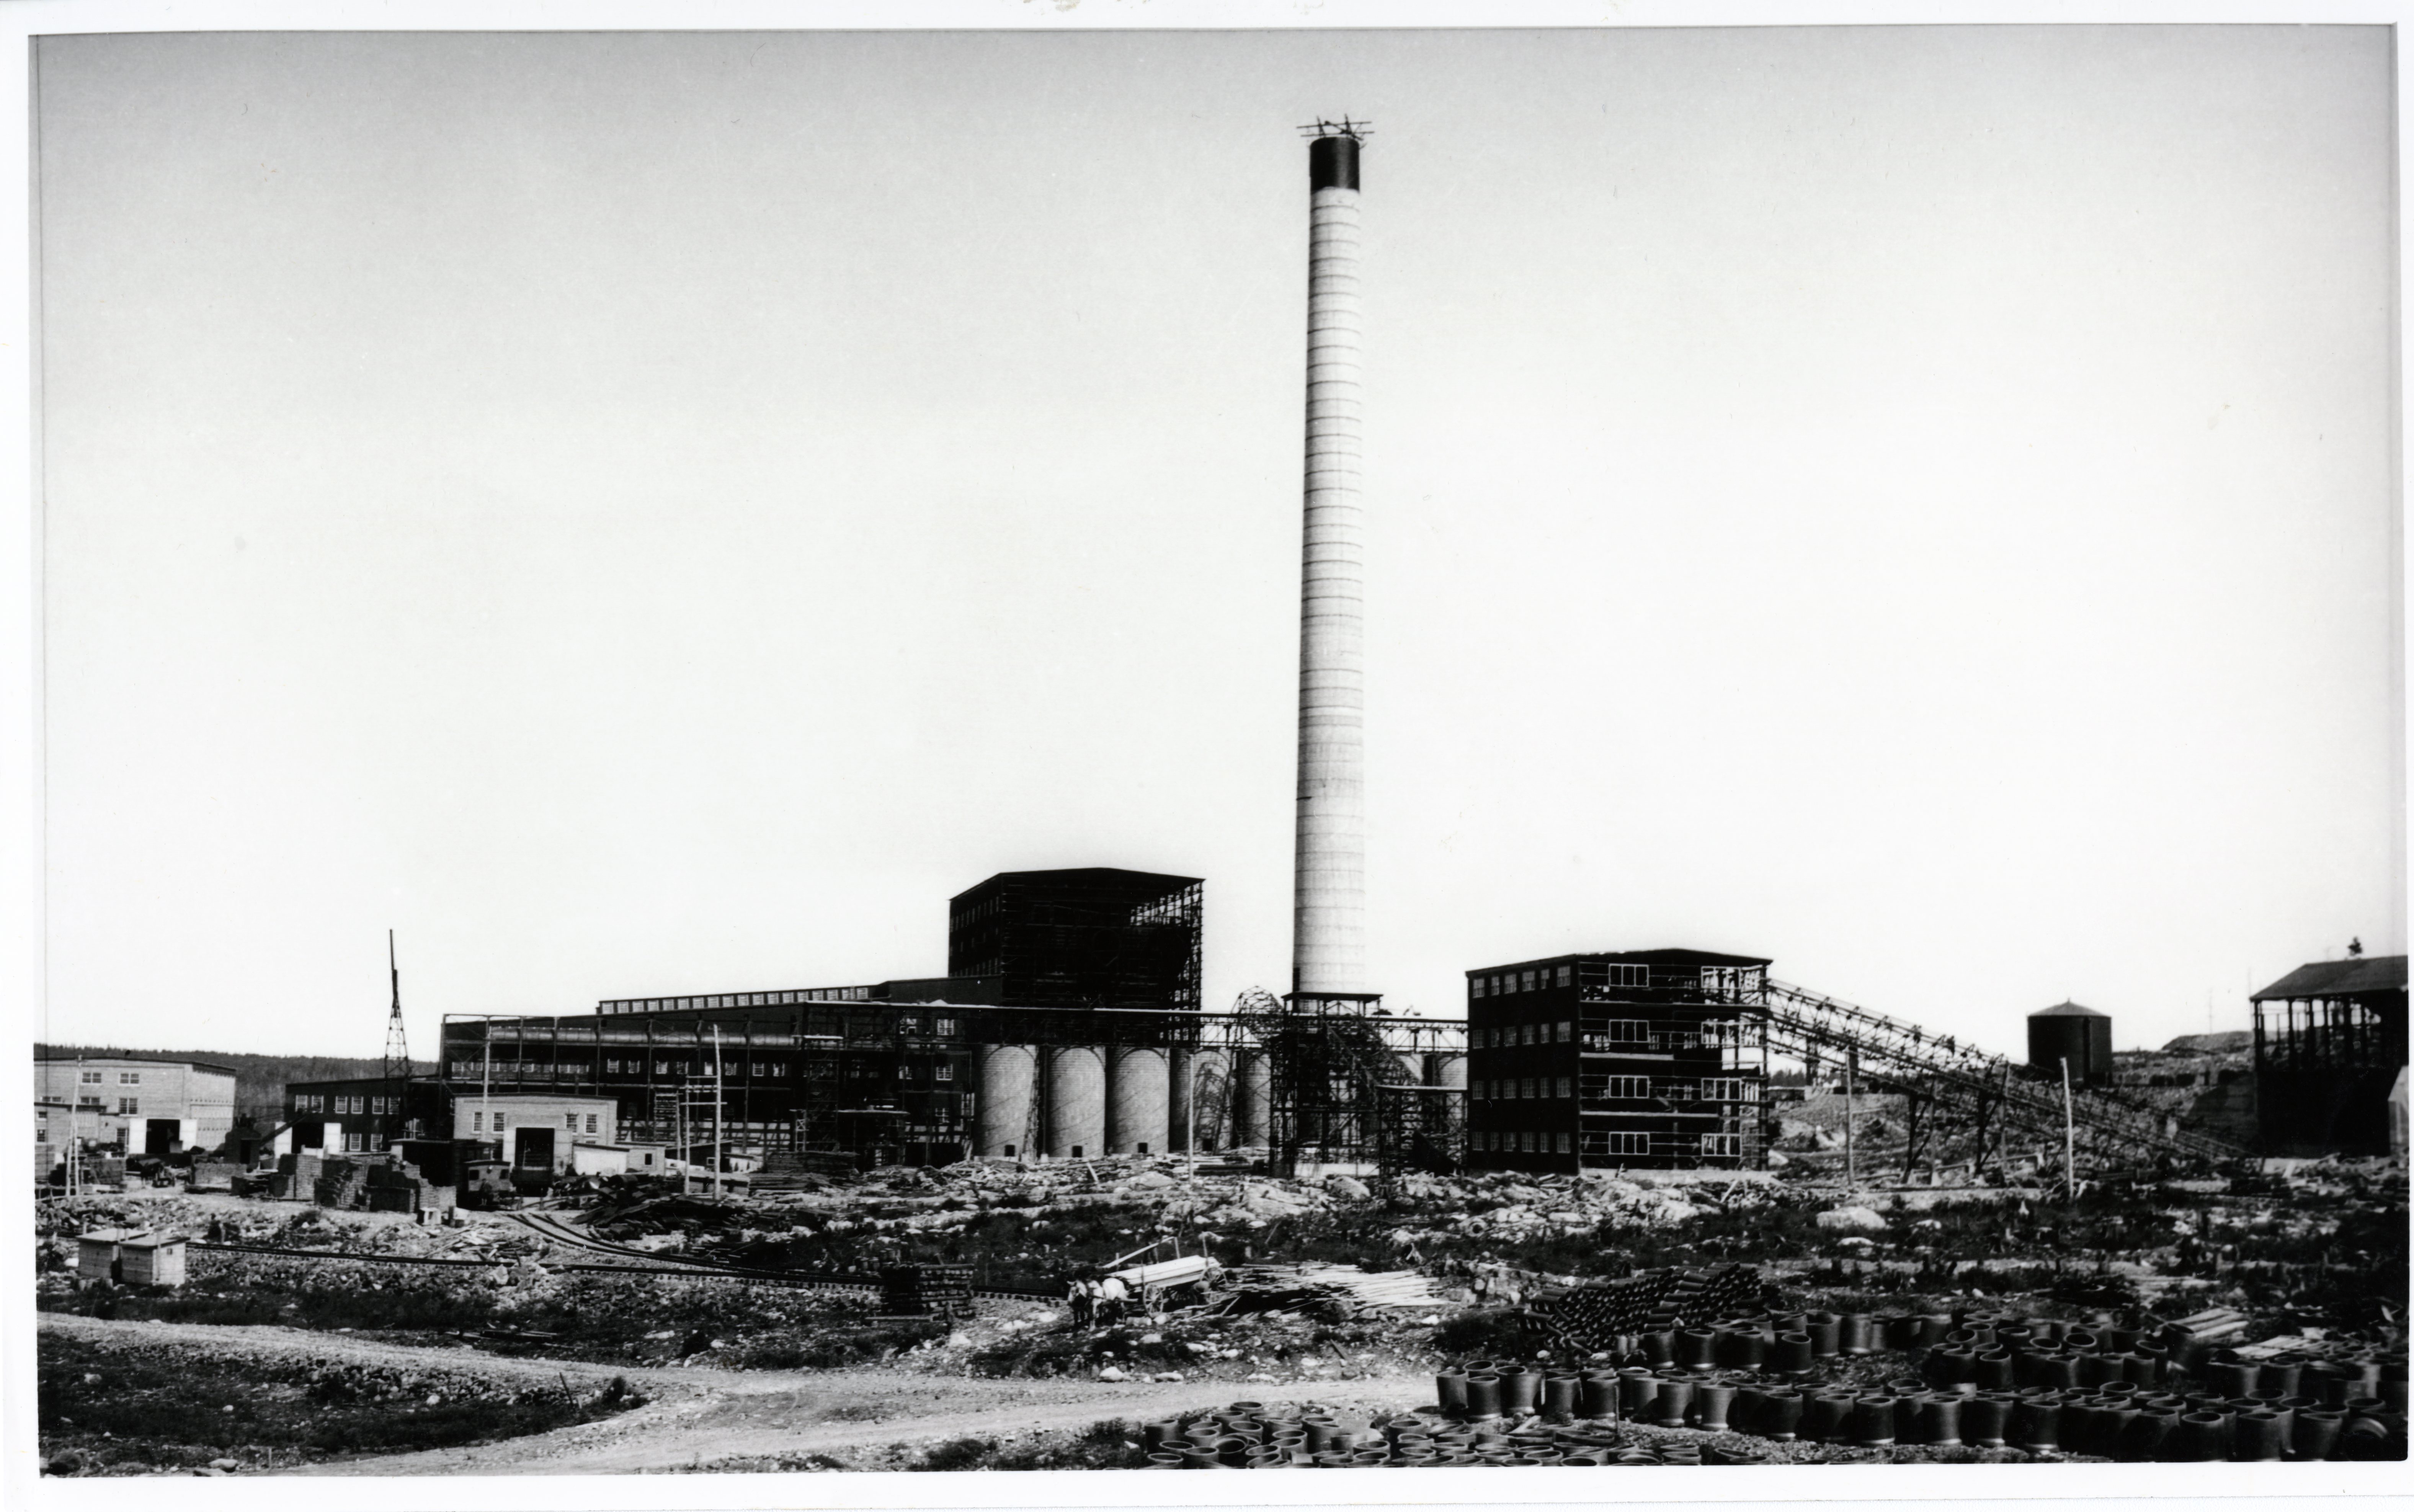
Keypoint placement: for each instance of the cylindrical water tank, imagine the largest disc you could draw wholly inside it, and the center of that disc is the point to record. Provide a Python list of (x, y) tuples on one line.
[(1077, 1101), (1138, 1103), (1253, 1085), (1412, 1068), (1009, 1080), (1446, 1068), (2080, 1035)]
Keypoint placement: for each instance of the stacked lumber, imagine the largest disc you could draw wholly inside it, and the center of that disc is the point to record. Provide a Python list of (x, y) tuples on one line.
[(1292, 1287), (927, 1291)]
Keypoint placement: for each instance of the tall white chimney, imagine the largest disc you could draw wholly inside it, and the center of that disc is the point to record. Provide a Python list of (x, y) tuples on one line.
[(1329, 885)]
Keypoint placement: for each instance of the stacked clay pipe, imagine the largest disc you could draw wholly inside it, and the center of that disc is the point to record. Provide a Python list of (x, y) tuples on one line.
[(1988, 1379), (1249, 1436)]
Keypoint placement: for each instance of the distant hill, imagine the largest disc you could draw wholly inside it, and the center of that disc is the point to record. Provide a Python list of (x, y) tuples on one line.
[(259, 1079), (2229, 1039)]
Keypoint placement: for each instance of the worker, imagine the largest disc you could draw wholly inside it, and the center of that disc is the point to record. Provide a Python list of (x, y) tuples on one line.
[(1112, 1294), (1078, 1297)]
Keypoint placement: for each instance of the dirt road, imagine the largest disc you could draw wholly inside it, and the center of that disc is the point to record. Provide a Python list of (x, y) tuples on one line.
[(698, 1420)]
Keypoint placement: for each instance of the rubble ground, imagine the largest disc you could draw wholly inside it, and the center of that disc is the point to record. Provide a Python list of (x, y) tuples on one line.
[(2307, 1250)]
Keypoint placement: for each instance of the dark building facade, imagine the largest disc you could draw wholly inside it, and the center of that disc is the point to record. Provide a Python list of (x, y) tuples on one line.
[(1645, 1059), (2329, 1042), (1092, 936), (2068, 1031)]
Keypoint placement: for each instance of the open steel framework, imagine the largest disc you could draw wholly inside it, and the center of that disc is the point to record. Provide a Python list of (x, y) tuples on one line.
[(2330, 1040)]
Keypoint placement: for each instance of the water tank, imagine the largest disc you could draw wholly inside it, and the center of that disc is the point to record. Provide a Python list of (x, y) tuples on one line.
[(1446, 1070), (1077, 1101), (1253, 1085), (1137, 1101), (2082, 1035), (1009, 1080)]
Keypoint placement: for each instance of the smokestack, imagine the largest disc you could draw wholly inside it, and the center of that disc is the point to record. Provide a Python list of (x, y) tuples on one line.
[(1329, 880)]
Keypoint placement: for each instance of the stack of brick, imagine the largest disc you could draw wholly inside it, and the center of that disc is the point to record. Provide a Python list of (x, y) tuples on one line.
[(340, 1184)]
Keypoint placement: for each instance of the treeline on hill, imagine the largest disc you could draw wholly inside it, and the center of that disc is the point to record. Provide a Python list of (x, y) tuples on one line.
[(259, 1079)]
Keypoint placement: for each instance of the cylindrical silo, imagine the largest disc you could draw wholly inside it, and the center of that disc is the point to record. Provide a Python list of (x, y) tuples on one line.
[(1328, 877), (1139, 1102), (1077, 1101), (1412, 1068), (1446, 1068), (1009, 1081), (1253, 1089)]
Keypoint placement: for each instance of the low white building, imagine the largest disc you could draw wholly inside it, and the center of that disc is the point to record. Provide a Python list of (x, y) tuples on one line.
[(538, 1133), (616, 1160)]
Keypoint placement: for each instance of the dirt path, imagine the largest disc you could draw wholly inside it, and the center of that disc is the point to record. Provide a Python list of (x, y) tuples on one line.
[(699, 1418)]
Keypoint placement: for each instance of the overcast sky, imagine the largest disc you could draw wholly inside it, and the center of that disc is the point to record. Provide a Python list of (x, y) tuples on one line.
[(646, 513)]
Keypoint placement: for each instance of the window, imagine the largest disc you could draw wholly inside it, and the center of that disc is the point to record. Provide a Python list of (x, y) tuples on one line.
[(89, 1079), (129, 1078), (1566, 1145), (909, 1023), (90, 1100), (1567, 974), (945, 1071), (1475, 986), (1630, 1144), (501, 1121), (1526, 1087), (477, 1123), (944, 1025), (570, 1122), (1524, 1033), (590, 1122), (1626, 1031), (1722, 1145), (1567, 1031), (129, 1104), (1630, 1087), (755, 1068), (1629, 976), (661, 1068), (1722, 1089), (1567, 1087), (1525, 982)]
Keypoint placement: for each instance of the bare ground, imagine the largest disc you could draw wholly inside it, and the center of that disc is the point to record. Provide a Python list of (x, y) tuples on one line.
[(700, 1419)]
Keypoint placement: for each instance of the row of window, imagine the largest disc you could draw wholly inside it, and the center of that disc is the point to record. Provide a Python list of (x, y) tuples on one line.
[(764, 1071), (1677, 1089), (1503, 983), (94, 1078), (732, 999), (1502, 1036), (1512, 1087), (321, 1103), (501, 1120), (1533, 1142)]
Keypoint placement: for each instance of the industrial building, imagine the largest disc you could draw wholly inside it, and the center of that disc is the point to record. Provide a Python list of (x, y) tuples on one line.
[(2329, 1045), (1092, 936), (1645, 1060), (2069, 1033), (164, 1105)]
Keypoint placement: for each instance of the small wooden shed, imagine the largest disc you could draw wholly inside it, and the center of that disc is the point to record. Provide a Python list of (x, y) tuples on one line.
[(96, 1254), (152, 1259)]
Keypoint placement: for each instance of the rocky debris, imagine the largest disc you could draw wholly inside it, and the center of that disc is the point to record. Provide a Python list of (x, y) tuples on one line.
[(1851, 1220)]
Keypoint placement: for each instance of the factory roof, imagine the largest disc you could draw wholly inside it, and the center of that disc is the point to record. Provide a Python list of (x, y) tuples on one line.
[(56, 1060), (1634, 957), (2349, 978), (1092, 876), (2068, 1010)]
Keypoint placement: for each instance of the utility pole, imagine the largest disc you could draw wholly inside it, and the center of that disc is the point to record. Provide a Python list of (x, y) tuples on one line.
[(1190, 1118), (716, 1110), (2069, 1140), (1852, 1064)]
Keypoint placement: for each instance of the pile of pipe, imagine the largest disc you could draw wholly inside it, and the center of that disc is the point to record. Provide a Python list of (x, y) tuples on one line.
[(1984, 1380), (1247, 1436), (1587, 1319)]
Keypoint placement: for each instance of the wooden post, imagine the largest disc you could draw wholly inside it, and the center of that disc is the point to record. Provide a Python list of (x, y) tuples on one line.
[(1852, 1063), (2069, 1141)]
